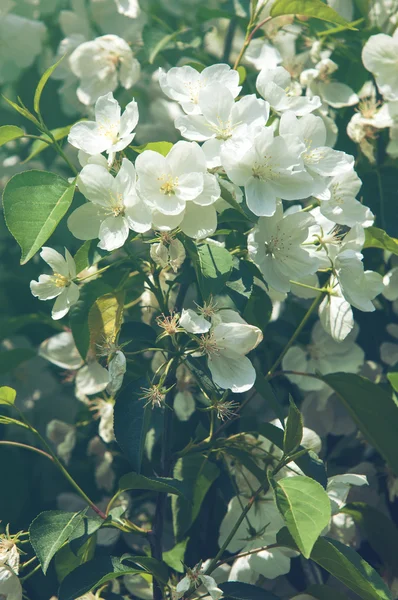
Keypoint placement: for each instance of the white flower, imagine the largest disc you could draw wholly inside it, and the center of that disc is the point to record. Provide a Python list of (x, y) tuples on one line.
[(338, 488), (111, 132), (225, 342), (342, 207), (274, 245), (178, 189), (102, 64), (269, 168), (17, 56), (10, 586), (117, 370), (379, 56), (183, 84), (318, 82), (114, 206), (60, 350), (222, 120), (390, 281), (63, 436), (276, 86), (91, 379), (335, 313), (60, 284), (196, 577), (323, 355), (262, 55), (319, 160), (128, 8), (173, 255)]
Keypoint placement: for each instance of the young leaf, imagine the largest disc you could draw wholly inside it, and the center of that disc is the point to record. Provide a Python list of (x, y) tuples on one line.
[(22, 110), (174, 558), (79, 312), (7, 395), (310, 463), (10, 132), (393, 379), (131, 422), (378, 238), (105, 319), (134, 481), (198, 473), (309, 8), (380, 531), (305, 508), (236, 590), (49, 531), (40, 86), (162, 147), (293, 433), (373, 409), (95, 573), (88, 255), (34, 203)]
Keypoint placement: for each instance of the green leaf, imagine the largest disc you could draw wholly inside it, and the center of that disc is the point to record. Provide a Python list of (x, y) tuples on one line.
[(258, 309), (78, 315), (84, 531), (134, 481), (40, 86), (155, 567), (380, 531), (99, 571), (105, 319), (198, 473), (11, 359), (38, 146), (242, 74), (310, 463), (49, 531), (245, 591), (345, 565), (305, 508), (131, 422), (34, 203), (325, 592), (10, 132), (393, 379), (22, 110), (264, 388), (213, 265), (162, 148), (293, 433), (175, 557), (309, 8), (378, 238), (66, 560), (88, 255), (373, 409), (7, 395)]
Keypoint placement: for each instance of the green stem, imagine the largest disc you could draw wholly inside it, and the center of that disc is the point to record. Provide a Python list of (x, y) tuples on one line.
[(22, 579), (27, 447)]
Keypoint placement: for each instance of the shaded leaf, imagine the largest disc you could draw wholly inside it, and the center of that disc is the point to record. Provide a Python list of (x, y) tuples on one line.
[(258, 309), (378, 238), (237, 590), (34, 203), (134, 481), (66, 560), (293, 433)]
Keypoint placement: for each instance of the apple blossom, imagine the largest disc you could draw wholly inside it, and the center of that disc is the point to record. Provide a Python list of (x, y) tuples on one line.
[(379, 56), (113, 209), (184, 84), (111, 132), (60, 284), (276, 86)]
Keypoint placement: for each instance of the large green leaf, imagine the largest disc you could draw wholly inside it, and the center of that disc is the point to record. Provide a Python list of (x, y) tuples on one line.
[(345, 565), (213, 265), (309, 8), (34, 203), (198, 473), (305, 508), (378, 238), (380, 531), (293, 433), (79, 312), (102, 569), (131, 422), (134, 481), (49, 531), (10, 132), (236, 590), (373, 409)]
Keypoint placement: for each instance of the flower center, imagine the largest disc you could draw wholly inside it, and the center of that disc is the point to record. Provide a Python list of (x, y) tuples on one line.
[(208, 344), (264, 170), (60, 280), (169, 184)]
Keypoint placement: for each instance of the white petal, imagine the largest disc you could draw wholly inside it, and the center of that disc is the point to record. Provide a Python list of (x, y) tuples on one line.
[(96, 184), (61, 350), (45, 288), (92, 379), (232, 371), (85, 222), (338, 94), (107, 113), (55, 260), (113, 233), (184, 405), (336, 317), (260, 197), (86, 136), (192, 322), (199, 221), (68, 298), (129, 119)]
